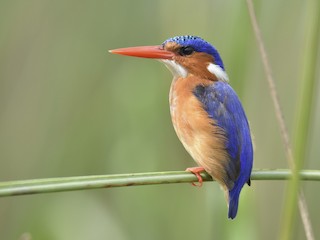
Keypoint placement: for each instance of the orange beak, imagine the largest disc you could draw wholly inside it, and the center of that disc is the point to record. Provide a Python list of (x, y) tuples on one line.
[(156, 52)]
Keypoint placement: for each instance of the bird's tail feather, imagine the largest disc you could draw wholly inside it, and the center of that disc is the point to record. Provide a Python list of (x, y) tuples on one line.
[(233, 202)]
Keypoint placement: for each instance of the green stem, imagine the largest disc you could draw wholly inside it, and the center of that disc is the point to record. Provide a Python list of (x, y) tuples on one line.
[(304, 113), (37, 186)]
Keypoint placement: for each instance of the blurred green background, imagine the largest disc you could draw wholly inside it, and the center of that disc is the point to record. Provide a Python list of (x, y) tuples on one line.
[(69, 108)]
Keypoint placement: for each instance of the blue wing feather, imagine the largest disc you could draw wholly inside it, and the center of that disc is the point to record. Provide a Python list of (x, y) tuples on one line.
[(224, 107)]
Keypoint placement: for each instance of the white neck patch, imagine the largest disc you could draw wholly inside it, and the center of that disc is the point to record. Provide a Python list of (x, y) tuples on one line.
[(218, 72), (175, 68)]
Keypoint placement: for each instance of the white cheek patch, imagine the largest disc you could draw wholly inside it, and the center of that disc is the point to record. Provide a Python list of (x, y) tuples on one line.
[(218, 72), (176, 69)]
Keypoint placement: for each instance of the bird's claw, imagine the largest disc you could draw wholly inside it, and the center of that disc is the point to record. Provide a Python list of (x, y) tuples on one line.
[(196, 171)]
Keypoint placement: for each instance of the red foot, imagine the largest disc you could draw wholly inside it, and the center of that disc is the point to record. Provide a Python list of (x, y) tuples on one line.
[(196, 171)]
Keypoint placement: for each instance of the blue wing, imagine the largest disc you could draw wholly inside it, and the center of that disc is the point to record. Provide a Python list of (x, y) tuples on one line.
[(224, 107)]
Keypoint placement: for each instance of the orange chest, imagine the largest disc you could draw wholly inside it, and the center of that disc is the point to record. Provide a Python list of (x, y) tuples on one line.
[(196, 130), (189, 119)]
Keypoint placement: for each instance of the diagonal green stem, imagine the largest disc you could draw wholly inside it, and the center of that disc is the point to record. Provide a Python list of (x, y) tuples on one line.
[(48, 185), (303, 114), (295, 160)]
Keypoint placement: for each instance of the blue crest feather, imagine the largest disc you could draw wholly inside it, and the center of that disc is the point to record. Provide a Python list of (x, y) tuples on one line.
[(199, 45)]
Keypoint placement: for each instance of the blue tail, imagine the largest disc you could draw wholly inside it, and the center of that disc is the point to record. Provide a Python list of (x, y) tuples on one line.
[(234, 201), (234, 195)]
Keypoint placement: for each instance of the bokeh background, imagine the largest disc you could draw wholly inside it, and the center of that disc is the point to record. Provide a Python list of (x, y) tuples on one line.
[(69, 108)]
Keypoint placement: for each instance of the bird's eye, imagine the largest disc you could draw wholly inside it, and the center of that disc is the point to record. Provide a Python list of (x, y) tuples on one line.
[(183, 51)]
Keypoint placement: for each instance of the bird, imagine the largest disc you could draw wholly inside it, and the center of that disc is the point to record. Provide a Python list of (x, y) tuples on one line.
[(206, 112)]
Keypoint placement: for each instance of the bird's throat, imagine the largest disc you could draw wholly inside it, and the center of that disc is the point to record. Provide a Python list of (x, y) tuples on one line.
[(175, 68)]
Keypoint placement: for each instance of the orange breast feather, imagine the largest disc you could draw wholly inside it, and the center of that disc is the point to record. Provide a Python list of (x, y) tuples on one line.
[(204, 141)]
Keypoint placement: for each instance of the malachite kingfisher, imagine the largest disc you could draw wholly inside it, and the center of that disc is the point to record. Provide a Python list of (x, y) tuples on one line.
[(206, 112)]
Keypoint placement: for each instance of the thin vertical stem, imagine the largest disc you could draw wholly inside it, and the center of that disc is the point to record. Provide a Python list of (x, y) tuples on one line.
[(278, 112), (305, 100)]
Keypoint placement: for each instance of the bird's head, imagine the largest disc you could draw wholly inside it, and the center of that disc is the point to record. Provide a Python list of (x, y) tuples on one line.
[(183, 55)]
